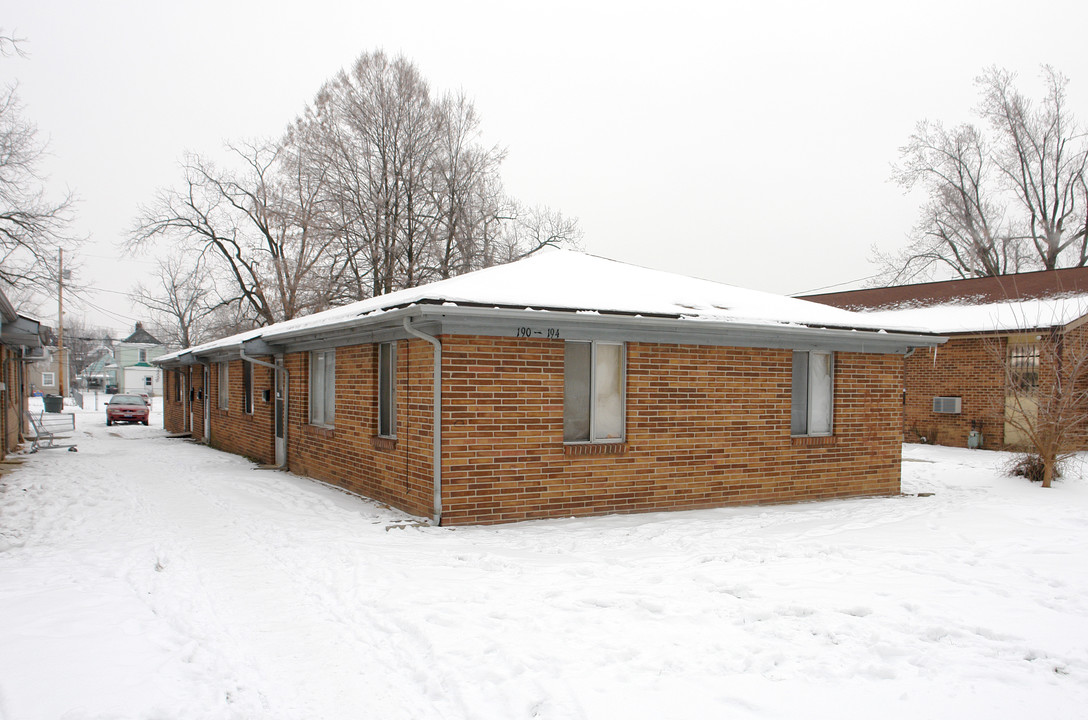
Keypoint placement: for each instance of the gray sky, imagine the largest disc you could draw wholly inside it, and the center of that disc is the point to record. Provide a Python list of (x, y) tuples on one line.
[(749, 143)]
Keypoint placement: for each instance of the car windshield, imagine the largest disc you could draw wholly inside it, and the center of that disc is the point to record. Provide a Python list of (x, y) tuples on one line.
[(126, 400)]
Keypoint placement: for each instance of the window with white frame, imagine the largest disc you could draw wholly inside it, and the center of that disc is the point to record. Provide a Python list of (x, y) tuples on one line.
[(143, 355), (387, 390), (49, 379), (323, 387), (224, 385), (594, 381), (812, 395), (247, 387)]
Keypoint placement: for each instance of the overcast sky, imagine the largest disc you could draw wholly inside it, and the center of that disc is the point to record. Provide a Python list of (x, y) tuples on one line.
[(749, 143)]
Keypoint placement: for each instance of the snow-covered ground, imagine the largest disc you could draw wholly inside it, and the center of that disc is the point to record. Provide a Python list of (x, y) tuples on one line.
[(147, 577)]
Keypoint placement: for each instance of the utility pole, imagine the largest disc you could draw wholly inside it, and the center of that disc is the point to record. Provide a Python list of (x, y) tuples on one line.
[(60, 324)]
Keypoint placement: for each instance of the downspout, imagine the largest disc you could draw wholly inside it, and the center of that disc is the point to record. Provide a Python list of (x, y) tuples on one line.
[(286, 381), (910, 351), (437, 412)]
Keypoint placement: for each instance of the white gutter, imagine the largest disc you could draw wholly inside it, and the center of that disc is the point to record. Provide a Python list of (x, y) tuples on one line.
[(437, 412), (286, 381)]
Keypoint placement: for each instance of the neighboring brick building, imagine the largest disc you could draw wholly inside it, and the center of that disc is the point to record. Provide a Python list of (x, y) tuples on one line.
[(569, 385), (992, 324), (20, 344)]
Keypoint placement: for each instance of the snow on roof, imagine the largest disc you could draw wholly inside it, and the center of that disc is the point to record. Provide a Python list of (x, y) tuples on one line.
[(141, 336), (962, 316), (576, 282)]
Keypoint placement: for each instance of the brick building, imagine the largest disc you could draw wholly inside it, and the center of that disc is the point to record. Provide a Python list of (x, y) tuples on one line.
[(567, 385), (996, 328), (20, 344)]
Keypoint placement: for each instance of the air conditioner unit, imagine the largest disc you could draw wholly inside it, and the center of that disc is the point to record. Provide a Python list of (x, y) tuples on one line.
[(947, 405)]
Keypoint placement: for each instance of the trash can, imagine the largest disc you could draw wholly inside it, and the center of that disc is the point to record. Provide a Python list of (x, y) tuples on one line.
[(53, 403)]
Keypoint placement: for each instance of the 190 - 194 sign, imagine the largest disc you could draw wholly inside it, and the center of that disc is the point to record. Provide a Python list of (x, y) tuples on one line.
[(528, 332)]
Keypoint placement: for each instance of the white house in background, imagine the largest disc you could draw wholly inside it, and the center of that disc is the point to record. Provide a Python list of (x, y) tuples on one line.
[(43, 376), (132, 363)]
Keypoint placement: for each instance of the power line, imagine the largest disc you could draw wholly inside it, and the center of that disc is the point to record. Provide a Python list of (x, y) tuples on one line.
[(114, 315), (115, 258), (828, 287), (114, 292)]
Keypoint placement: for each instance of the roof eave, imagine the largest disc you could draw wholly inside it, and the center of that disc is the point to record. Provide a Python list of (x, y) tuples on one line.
[(528, 323)]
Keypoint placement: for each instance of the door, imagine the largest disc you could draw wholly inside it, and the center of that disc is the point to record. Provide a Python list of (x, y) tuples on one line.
[(1022, 388), (280, 412), (207, 405)]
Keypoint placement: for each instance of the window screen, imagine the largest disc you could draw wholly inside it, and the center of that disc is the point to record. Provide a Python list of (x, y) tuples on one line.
[(593, 392), (224, 385), (578, 359), (387, 385), (247, 386), (323, 387), (811, 394)]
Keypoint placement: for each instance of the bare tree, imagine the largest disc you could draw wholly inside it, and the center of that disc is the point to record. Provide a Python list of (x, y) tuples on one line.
[(1042, 154), (467, 192), (530, 229), (1047, 395), (256, 228), (32, 226), (1010, 202), (375, 187), (11, 44), (83, 343), (963, 227), (373, 127), (415, 194), (179, 300)]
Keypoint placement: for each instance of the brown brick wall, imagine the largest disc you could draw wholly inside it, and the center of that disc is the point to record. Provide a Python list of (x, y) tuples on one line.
[(394, 472), (13, 398), (173, 412), (968, 368), (233, 429), (706, 426), (1075, 360), (188, 414)]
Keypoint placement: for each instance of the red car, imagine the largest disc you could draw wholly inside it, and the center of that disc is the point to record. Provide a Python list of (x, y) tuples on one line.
[(126, 408)]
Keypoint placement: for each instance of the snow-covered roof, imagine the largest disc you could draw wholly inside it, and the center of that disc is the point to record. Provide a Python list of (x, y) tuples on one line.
[(141, 336), (574, 282), (966, 317)]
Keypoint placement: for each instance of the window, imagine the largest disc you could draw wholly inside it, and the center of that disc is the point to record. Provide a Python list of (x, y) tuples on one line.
[(593, 392), (177, 386), (147, 381), (812, 393), (143, 355), (323, 387), (247, 387), (1024, 366), (224, 385), (387, 390), (49, 378)]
